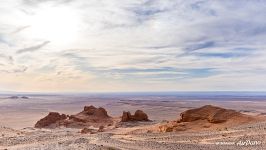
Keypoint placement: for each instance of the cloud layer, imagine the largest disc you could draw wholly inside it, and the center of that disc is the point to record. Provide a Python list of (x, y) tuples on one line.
[(144, 45)]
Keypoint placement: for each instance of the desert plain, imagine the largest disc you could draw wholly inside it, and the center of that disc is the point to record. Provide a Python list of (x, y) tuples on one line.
[(165, 129)]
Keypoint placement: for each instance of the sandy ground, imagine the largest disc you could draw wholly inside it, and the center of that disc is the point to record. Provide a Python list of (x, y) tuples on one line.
[(133, 139), (19, 115)]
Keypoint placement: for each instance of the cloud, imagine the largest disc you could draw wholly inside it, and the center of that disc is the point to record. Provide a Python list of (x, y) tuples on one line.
[(7, 65), (32, 48), (201, 45), (36, 2), (20, 29), (220, 55), (3, 40), (170, 45), (159, 74), (6, 59), (19, 70)]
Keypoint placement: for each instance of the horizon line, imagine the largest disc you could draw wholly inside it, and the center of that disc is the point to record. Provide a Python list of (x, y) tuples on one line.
[(129, 92)]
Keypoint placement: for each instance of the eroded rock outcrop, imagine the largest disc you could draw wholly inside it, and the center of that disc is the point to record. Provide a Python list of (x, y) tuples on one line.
[(210, 113), (96, 112), (90, 116), (53, 118), (208, 116), (24, 97), (138, 116)]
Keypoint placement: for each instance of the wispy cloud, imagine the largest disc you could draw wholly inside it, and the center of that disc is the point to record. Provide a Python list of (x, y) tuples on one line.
[(33, 48), (20, 29), (36, 2), (200, 45), (21, 69), (3, 40), (6, 59)]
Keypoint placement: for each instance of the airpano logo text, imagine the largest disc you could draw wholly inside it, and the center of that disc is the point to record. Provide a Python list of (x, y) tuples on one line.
[(248, 143)]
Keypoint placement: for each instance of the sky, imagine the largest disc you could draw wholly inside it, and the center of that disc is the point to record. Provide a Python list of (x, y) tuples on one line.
[(132, 45)]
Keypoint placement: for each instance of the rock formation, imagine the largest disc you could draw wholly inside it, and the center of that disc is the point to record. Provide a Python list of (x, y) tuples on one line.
[(13, 97), (51, 119), (90, 116), (208, 116), (210, 113), (24, 97), (138, 116), (91, 111), (18, 97)]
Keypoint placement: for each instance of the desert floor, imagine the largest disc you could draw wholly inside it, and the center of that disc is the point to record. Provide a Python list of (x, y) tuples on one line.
[(18, 117)]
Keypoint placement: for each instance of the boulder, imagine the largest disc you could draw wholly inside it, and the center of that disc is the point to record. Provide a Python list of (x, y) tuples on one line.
[(101, 129), (86, 131), (172, 126), (166, 128)]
